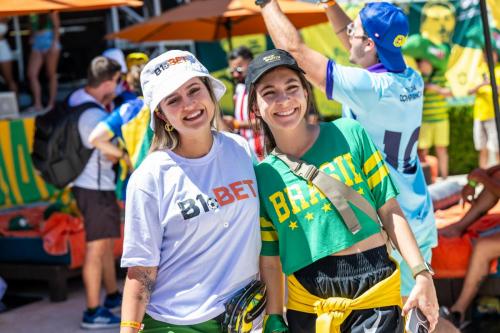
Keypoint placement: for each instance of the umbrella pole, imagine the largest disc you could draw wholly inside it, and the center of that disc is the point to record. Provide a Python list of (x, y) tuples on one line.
[(229, 26), (491, 65)]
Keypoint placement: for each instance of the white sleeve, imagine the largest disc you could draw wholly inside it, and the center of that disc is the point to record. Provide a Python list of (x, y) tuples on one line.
[(87, 122), (143, 231), (353, 87)]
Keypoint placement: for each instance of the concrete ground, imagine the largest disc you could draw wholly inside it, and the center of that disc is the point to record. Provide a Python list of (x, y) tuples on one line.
[(47, 317)]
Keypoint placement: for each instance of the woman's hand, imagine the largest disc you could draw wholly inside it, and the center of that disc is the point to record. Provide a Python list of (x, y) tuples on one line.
[(423, 296)]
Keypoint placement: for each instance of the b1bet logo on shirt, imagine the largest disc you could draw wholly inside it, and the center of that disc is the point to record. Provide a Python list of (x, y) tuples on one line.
[(223, 195)]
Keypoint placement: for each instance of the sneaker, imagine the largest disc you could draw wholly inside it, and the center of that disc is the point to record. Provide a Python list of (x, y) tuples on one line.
[(113, 303), (101, 318)]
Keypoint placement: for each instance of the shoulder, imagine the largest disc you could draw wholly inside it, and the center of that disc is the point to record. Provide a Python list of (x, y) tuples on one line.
[(344, 125), (235, 140), (147, 175)]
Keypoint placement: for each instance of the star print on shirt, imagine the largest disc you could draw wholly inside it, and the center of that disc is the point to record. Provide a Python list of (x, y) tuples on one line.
[(309, 216), (360, 191), (293, 225), (326, 207)]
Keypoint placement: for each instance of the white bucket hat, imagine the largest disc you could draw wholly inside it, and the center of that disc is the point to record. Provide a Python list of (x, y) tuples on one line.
[(166, 73)]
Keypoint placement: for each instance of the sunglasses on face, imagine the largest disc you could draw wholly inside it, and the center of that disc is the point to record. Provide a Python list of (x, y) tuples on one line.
[(238, 70), (351, 30)]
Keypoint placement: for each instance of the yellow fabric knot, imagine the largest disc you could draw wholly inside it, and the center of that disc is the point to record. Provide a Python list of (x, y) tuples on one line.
[(334, 310), (331, 313)]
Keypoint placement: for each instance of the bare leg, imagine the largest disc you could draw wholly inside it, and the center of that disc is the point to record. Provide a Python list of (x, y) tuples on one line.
[(483, 158), (486, 250), (422, 154), (6, 68), (34, 65), (442, 155), (51, 60), (93, 271), (108, 269)]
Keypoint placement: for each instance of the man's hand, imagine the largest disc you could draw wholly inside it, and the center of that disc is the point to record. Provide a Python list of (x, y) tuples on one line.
[(468, 193), (423, 296), (478, 175)]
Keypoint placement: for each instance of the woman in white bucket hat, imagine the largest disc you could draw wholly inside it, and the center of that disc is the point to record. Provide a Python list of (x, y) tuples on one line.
[(192, 236)]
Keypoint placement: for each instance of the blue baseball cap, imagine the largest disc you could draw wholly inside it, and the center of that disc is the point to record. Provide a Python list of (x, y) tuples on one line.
[(387, 25)]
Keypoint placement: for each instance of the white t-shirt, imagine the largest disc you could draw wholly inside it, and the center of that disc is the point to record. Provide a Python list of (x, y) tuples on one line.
[(197, 220), (88, 121)]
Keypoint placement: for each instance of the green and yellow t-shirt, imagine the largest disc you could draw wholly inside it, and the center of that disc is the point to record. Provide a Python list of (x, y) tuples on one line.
[(298, 222), (435, 105), (483, 106)]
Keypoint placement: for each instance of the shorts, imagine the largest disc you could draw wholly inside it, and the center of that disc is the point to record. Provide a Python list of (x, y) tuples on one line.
[(100, 211), (349, 276), (434, 134), (485, 135), (42, 41), (155, 326), (5, 51)]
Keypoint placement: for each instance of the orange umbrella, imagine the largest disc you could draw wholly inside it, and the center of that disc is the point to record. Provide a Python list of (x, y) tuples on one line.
[(215, 19), (24, 7)]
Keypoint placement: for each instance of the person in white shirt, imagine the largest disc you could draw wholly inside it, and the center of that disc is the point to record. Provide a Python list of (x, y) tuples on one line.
[(192, 211), (94, 191)]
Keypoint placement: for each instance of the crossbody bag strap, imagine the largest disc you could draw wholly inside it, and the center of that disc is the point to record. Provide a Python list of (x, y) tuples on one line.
[(337, 192)]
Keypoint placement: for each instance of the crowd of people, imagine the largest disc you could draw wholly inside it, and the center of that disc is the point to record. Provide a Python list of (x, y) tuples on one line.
[(338, 213)]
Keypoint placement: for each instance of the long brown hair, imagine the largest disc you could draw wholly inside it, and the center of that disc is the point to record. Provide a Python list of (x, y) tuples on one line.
[(260, 126), (163, 139)]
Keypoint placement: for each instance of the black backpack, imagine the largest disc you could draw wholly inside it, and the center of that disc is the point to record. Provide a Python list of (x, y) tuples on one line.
[(58, 151)]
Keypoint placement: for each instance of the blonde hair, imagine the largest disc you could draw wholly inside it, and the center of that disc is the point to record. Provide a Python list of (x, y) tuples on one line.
[(163, 139)]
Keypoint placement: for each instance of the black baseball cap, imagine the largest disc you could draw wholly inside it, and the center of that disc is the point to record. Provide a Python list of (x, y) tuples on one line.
[(267, 61)]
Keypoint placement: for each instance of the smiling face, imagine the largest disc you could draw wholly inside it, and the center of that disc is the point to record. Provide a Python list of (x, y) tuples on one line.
[(190, 109), (281, 99)]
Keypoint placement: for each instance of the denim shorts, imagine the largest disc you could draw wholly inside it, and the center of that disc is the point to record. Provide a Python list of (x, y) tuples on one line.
[(42, 41), (348, 277)]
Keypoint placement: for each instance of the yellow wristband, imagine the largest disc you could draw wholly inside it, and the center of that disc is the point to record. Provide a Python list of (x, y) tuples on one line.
[(328, 4), (236, 124), (133, 324)]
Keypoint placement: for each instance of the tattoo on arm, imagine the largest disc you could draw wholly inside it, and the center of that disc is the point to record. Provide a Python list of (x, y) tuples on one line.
[(146, 276)]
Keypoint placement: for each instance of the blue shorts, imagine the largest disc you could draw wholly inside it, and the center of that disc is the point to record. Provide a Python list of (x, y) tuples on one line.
[(42, 41), (426, 240)]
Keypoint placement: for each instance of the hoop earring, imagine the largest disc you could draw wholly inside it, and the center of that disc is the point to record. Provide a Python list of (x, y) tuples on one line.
[(168, 127)]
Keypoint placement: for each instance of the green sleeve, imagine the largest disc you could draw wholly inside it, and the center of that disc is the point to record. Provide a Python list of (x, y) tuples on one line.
[(270, 244), (375, 170)]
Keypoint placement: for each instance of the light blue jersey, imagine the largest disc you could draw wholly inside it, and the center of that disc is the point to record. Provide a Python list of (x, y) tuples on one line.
[(389, 106)]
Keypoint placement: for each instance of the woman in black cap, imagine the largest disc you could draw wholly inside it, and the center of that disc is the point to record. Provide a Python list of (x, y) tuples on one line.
[(324, 233)]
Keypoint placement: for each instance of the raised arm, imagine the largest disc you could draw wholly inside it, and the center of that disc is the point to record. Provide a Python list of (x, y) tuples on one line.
[(285, 36), (136, 294), (339, 21)]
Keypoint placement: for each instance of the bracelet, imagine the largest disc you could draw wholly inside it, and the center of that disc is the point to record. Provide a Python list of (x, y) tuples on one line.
[(472, 183), (261, 3), (133, 324), (327, 4), (236, 124)]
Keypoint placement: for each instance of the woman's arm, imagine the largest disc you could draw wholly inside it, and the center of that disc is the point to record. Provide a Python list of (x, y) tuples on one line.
[(56, 24), (272, 276), (423, 294), (139, 284)]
